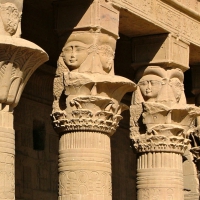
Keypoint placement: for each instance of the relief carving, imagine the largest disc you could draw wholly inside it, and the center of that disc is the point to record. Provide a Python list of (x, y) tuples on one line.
[(159, 110), (161, 128), (86, 112), (84, 184), (19, 58), (16, 66), (87, 94), (10, 18), (87, 52)]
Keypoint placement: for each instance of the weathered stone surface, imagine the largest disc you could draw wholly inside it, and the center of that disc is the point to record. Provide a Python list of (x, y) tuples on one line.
[(165, 50), (137, 18), (18, 60), (165, 14), (87, 95), (161, 123)]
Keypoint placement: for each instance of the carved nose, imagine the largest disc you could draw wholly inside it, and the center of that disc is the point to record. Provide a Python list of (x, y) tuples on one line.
[(149, 85), (73, 52)]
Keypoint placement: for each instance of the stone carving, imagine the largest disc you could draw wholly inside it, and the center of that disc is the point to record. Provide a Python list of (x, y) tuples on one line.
[(18, 60), (82, 50), (160, 102), (86, 112), (161, 123), (169, 17), (161, 86), (10, 18), (150, 87), (87, 100), (16, 66), (85, 76), (7, 176)]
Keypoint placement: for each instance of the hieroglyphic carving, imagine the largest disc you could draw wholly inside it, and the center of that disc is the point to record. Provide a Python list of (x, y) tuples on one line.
[(168, 16), (87, 173), (167, 193), (163, 13), (145, 6), (7, 177)]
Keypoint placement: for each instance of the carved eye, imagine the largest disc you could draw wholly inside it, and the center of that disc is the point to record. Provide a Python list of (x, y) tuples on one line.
[(154, 82), (143, 83), (15, 14), (78, 48), (68, 49)]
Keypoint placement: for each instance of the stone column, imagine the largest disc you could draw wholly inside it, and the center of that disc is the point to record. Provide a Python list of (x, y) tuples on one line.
[(160, 118), (19, 58), (87, 95)]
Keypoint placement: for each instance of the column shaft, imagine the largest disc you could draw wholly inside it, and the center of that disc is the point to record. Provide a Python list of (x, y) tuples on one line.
[(7, 153), (84, 166), (160, 174)]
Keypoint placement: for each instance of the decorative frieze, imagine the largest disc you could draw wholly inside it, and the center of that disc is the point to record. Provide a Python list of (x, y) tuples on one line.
[(169, 15)]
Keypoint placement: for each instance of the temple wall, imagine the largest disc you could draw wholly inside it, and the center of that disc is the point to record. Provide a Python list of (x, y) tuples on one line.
[(36, 142)]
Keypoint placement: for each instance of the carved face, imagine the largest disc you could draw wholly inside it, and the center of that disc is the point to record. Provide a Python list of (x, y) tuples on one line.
[(106, 56), (75, 53), (177, 88), (150, 86), (10, 17)]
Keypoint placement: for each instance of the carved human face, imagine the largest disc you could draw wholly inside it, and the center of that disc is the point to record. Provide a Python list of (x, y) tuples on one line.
[(75, 53), (150, 86), (177, 88), (10, 17), (106, 56)]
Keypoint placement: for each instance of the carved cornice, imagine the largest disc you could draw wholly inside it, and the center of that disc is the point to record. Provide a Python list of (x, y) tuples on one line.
[(164, 14)]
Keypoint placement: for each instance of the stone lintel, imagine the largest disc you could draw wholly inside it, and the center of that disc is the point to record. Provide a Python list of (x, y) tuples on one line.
[(86, 15), (171, 16), (164, 50)]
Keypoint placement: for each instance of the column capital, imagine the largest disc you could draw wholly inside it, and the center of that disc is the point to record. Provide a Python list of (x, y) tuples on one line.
[(87, 94), (19, 57), (160, 118)]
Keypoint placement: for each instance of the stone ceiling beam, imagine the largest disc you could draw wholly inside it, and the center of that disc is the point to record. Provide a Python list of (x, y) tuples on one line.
[(170, 16)]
